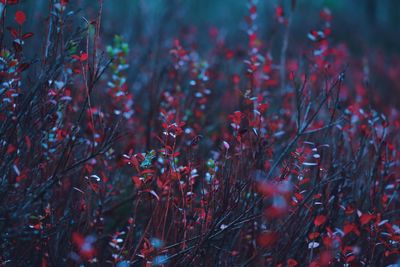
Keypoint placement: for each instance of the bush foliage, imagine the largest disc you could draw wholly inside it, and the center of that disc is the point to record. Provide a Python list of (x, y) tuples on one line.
[(173, 145)]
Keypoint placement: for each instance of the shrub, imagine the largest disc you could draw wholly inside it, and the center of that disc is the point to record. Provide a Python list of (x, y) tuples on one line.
[(169, 153)]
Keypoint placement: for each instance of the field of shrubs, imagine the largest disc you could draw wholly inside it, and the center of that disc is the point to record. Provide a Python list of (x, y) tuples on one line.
[(171, 138)]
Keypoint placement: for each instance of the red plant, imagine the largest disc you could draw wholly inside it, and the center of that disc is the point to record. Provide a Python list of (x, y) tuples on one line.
[(162, 147)]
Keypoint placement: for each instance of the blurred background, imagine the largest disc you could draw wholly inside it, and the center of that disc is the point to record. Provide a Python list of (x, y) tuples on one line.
[(357, 22), (368, 28)]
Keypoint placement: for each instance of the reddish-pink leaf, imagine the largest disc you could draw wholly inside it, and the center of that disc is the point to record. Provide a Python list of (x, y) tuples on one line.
[(313, 235), (85, 245), (20, 17), (292, 263), (267, 239), (319, 220), (366, 218), (84, 57), (236, 79), (136, 180), (9, 2), (13, 32), (20, 178), (76, 57), (78, 239), (28, 142), (22, 67), (279, 11), (11, 149), (351, 227), (27, 35)]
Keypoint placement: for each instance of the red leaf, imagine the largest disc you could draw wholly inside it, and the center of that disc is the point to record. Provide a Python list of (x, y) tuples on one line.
[(11, 149), (349, 210), (319, 220), (84, 244), (236, 79), (20, 17), (13, 32), (27, 35), (277, 211), (44, 262), (267, 238), (279, 11), (351, 227), (78, 239), (292, 263), (22, 67), (21, 178), (76, 57), (84, 57), (136, 180), (366, 218), (133, 160), (12, 63), (313, 235), (253, 9), (9, 2), (28, 142)]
